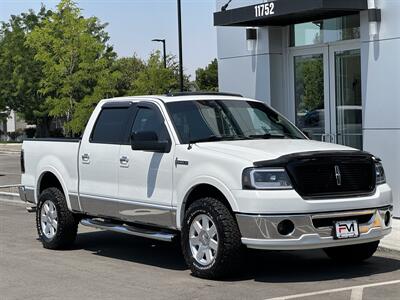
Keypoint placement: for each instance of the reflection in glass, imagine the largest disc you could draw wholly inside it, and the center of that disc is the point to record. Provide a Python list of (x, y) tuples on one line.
[(309, 95), (348, 98), (325, 31)]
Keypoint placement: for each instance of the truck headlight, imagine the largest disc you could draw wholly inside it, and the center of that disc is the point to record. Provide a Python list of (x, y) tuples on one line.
[(266, 179), (380, 173)]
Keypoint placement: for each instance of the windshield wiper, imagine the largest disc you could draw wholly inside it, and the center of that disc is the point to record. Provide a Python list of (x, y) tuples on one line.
[(216, 138), (211, 138), (267, 136)]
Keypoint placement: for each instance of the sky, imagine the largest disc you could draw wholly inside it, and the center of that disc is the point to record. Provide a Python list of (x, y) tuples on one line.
[(132, 24)]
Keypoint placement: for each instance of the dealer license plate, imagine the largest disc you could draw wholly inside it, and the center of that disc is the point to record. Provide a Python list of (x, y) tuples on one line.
[(346, 229)]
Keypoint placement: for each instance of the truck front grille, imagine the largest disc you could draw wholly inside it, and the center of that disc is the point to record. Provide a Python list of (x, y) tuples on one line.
[(330, 177)]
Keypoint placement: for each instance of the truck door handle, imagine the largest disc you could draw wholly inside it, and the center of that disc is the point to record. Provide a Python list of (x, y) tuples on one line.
[(124, 161), (85, 158)]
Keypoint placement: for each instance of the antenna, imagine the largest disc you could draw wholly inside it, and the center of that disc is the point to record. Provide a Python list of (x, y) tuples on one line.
[(224, 7)]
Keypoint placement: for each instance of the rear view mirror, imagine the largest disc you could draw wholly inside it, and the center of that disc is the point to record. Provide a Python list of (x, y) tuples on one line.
[(148, 141)]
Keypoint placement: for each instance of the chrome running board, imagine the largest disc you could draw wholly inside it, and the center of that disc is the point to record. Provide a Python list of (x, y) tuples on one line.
[(130, 229)]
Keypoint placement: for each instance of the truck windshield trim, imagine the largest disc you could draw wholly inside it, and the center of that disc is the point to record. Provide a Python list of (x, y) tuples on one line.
[(219, 120)]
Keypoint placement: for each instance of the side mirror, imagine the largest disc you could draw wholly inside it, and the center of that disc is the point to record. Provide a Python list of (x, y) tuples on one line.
[(148, 141)]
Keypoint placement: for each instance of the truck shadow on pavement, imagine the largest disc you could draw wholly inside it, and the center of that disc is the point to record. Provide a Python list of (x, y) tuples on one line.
[(261, 266)]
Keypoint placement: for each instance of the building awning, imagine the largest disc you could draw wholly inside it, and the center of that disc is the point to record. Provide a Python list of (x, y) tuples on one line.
[(286, 12)]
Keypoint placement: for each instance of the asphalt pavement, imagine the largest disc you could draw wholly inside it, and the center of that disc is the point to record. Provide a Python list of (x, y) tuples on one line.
[(10, 170), (105, 265)]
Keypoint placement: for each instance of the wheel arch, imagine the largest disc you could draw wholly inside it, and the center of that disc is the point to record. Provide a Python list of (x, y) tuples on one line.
[(201, 190), (49, 177)]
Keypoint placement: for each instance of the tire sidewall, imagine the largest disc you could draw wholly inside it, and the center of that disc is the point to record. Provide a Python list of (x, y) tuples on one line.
[(48, 195), (191, 214)]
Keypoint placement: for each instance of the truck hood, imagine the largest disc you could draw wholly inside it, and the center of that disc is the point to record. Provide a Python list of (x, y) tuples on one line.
[(258, 150)]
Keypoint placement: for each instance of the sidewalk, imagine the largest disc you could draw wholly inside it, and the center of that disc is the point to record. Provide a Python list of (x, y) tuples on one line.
[(392, 241), (10, 148)]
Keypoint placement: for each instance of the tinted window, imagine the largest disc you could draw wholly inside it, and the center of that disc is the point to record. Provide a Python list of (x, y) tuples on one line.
[(148, 119), (110, 126)]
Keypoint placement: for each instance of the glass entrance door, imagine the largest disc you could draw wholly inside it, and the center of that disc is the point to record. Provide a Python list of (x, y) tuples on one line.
[(346, 104), (326, 89)]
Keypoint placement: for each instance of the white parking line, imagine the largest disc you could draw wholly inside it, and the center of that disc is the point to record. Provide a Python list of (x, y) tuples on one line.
[(356, 294)]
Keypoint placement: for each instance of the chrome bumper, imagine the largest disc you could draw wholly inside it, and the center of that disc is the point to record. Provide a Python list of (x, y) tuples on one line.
[(311, 231), (26, 194)]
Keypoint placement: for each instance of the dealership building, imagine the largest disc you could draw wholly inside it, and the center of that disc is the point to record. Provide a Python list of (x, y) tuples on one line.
[(331, 66)]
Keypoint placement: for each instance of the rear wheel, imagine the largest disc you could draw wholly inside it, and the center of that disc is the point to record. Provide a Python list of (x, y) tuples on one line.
[(211, 239), (352, 253), (56, 225)]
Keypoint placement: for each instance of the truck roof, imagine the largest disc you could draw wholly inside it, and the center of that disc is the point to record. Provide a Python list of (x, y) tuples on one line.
[(182, 97)]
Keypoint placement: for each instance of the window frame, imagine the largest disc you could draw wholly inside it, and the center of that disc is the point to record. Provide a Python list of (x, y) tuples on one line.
[(131, 112), (146, 105)]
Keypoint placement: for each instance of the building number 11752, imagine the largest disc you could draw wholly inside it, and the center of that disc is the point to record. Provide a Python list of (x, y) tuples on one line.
[(265, 9)]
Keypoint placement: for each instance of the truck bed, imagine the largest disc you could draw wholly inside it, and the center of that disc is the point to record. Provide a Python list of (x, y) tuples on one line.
[(56, 155)]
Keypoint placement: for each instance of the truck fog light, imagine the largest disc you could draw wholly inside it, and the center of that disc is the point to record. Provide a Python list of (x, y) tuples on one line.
[(387, 219), (285, 227)]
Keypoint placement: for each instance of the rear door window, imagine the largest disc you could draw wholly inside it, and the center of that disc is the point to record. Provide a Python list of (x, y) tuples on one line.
[(111, 125)]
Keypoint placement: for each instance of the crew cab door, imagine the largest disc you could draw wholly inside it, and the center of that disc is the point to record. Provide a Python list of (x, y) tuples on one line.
[(145, 176), (99, 159)]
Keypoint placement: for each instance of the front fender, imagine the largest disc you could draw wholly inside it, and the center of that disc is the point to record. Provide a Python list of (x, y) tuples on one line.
[(184, 190)]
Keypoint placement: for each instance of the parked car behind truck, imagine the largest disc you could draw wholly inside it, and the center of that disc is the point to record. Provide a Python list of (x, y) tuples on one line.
[(217, 170)]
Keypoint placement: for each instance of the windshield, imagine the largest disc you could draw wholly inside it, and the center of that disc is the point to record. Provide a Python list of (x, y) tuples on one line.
[(214, 120)]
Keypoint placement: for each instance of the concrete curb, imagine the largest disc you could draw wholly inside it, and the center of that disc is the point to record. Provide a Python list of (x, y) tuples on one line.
[(10, 196)]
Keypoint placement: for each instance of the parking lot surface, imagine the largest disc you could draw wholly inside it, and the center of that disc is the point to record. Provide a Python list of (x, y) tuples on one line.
[(105, 265), (10, 171)]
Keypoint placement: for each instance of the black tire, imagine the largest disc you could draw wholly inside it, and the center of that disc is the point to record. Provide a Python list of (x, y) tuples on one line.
[(353, 253), (67, 223), (228, 256)]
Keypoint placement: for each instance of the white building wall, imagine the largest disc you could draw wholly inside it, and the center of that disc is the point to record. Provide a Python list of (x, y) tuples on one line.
[(380, 57), (244, 72)]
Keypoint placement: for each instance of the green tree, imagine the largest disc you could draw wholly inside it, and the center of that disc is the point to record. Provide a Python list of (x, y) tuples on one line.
[(20, 74), (117, 80), (207, 78), (155, 79), (130, 68), (76, 61)]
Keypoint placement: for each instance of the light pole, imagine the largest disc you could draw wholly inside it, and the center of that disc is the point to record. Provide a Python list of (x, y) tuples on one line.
[(164, 50), (180, 45)]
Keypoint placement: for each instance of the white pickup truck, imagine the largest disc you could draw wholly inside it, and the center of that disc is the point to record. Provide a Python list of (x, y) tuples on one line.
[(219, 171)]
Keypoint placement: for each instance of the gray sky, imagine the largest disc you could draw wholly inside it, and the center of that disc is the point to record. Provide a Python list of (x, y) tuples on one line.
[(134, 23)]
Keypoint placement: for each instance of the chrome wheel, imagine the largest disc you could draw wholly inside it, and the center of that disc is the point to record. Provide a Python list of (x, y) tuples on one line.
[(48, 219), (203, 239)]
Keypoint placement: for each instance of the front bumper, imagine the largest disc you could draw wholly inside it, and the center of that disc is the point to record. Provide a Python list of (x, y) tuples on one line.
[(311, 231)]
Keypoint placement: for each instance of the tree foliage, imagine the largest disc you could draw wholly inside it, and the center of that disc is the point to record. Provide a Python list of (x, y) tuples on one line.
[(207, 78), (154, 79), (59, 65), (20, 74), (76, 60)]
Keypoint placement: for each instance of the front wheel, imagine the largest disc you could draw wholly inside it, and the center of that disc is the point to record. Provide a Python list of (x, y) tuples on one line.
[(352, 253), (210, 240), (56, 225)]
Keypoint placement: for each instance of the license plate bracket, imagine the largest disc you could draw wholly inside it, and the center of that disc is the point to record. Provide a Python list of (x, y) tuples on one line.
[(346, 229)]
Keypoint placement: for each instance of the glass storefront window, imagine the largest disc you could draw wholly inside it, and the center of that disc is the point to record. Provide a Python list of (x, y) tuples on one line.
[(325, 31)]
